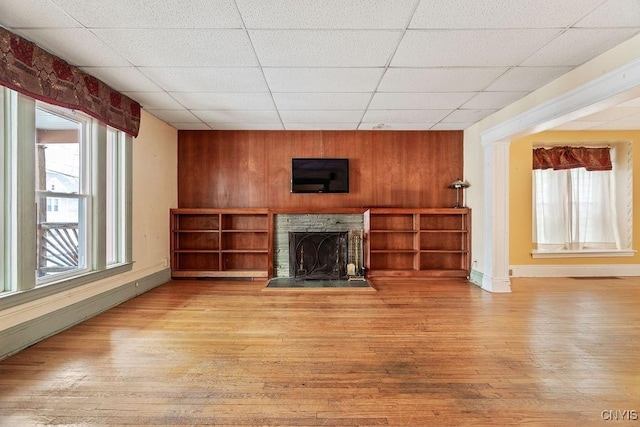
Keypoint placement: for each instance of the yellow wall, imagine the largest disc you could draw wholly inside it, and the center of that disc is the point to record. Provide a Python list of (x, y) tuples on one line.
[(520, 200)]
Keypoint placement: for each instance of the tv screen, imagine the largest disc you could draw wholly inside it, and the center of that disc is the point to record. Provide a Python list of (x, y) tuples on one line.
[(320, 175)]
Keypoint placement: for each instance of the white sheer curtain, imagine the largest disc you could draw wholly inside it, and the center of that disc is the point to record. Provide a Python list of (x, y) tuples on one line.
[(574, 209)]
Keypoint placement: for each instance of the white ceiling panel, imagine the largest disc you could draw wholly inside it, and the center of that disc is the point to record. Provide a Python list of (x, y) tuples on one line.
[(492, 100), (207, 79), (328, 64), (467, 116), (395, 126), (322, 101), (224, 101), (34, 14), (613, 13), (125, 79), (526, 79), (446, 79), (173, 116), (327, 14), (190, 126), (451, 126), (333, 48), (320, 126), (576, 46), (405, 116), (419, 101), (77, 46), (500, 13), (238, 116), (154, 13), (323, 79), (246, 126), (155, 100), (469, 48), (321, 116), (181, 47)]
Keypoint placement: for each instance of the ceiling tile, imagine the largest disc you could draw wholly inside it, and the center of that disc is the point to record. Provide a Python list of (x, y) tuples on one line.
[(613, 13), (467, 116), (174, 116), (322, 101), (181, 47), (473, 48), (327, 14), (154, 14), (451, 126), (319, 116), (500, 13), (297, 48), (446, 79), (155, 100), (125, 79), (323, 79), (395, 126), (321, 126), (207, 79), (576, 46), (526, 79), (33, 14), (419, 101), (190, 126), (404, 116), (224, 101), (238, 116), (77, 46), (492, 100), (246, 126)]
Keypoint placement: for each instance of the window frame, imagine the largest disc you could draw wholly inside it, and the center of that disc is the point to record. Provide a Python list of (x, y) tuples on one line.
[(622, 159), (19, 216)]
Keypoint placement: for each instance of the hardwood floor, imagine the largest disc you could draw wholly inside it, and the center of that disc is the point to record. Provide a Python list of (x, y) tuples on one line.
[(555, 352)]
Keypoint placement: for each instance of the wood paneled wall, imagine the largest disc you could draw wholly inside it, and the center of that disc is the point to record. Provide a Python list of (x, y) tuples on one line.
[(244, 169)]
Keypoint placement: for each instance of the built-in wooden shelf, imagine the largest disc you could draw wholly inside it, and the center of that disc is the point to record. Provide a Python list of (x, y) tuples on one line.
[(399, 242), (432, 242), (221, 243)]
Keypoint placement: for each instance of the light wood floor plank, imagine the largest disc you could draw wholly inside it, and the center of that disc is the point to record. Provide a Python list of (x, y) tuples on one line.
[(555, 352)]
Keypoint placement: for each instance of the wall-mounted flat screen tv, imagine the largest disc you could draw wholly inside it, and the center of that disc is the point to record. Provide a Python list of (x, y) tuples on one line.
[(319, 175)]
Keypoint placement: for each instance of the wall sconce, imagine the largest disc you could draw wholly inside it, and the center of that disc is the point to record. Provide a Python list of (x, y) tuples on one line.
[(457, 185)]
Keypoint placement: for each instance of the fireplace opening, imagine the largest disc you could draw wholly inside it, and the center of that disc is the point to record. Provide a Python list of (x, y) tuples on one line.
[(318, 255)]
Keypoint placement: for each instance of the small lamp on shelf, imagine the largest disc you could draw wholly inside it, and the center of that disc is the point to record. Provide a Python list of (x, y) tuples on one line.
[(457, 185)]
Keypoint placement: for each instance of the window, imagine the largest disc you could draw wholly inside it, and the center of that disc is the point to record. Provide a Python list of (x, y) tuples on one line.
[(62, 145), (78, 172), (578, 211)]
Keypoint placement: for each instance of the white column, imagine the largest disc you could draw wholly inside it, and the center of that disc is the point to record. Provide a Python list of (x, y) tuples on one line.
[(496, 217)]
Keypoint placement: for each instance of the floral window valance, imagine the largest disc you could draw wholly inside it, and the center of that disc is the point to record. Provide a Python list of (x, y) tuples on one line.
[(559, 158), (32, 71)]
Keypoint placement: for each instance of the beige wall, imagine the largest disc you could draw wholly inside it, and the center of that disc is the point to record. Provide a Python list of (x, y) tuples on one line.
[(520, 198), (155, 191)]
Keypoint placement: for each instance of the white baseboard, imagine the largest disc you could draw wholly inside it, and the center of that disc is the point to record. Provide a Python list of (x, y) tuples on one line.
[(583, 270), (494, 285)]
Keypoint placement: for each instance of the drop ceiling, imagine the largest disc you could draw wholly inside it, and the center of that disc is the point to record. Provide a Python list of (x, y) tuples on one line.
[(329, 64)]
